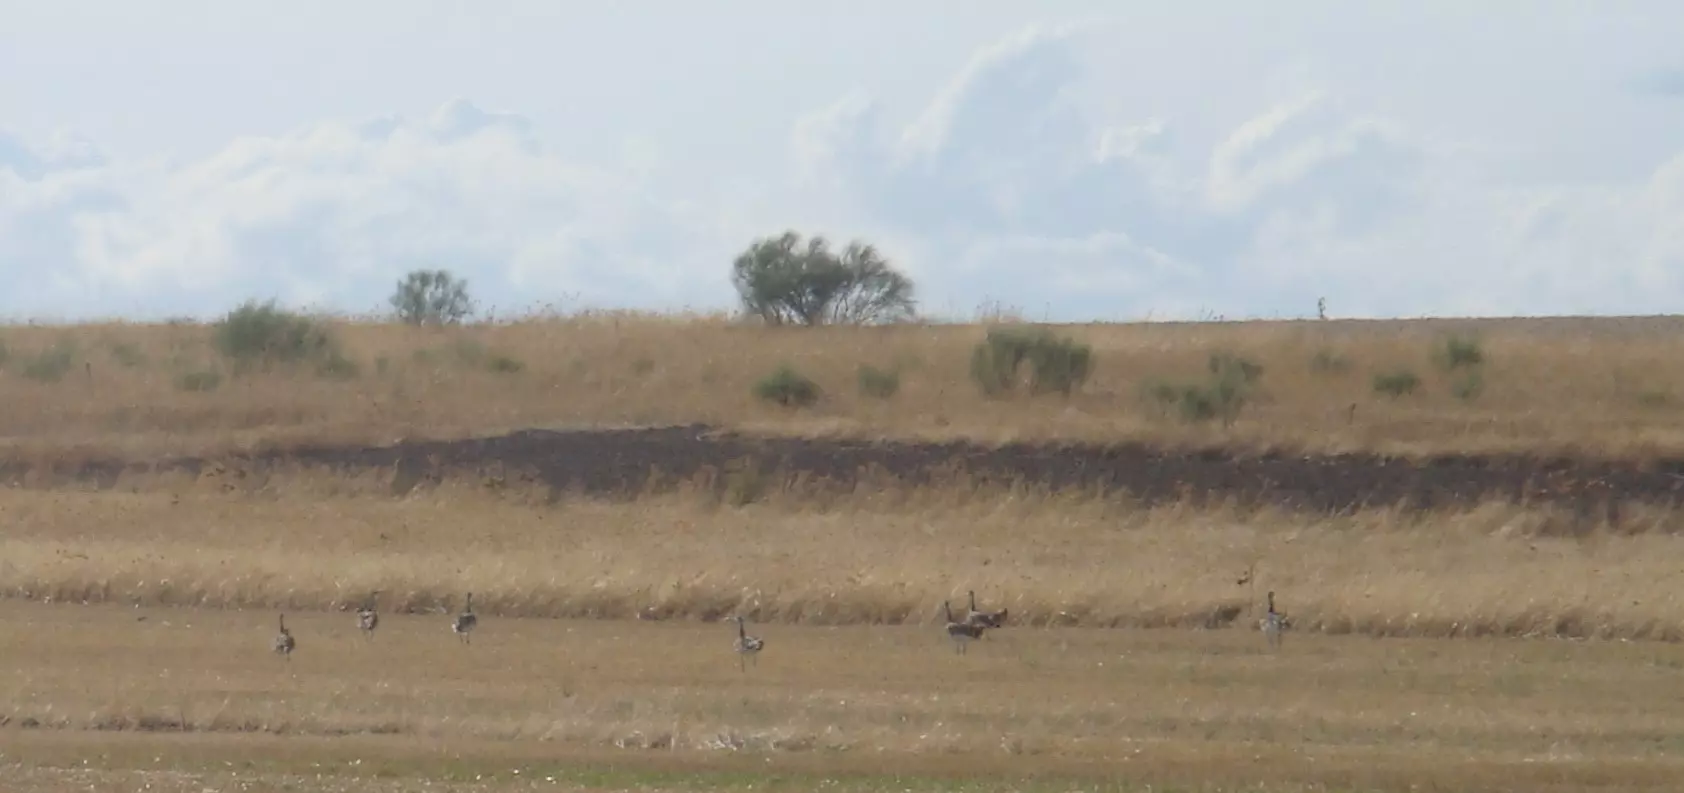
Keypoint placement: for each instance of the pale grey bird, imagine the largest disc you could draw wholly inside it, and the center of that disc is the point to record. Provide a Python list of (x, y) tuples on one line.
[(961, 633), (987, 619), (284, 643), (466, 621), (1274, 623), (747, 647), (367, 618)]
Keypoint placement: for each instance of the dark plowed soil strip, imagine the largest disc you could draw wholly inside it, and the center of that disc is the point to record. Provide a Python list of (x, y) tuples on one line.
[(622, 462)]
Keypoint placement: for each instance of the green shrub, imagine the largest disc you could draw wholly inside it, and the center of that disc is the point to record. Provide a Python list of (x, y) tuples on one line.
[(1396, 384), (1226, 366), (1054, 364), (261, 334), (1329, 362), (50, 365), (787, 387), (1161, 394), (1655, 398), (503, 364), (127, 354), (1468, 387), (878, 383), (1458, 352), (203, 380), (337, 367), (1231, 382)]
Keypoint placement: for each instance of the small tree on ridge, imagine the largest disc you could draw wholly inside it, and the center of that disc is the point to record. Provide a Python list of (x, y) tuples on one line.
[(431, 297), (786, 281)]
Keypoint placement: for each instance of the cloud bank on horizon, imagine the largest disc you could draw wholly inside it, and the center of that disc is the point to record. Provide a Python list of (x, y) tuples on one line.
[(1396, 162)]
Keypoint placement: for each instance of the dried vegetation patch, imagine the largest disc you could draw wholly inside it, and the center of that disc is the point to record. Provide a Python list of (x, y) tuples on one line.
[(1603, 386)]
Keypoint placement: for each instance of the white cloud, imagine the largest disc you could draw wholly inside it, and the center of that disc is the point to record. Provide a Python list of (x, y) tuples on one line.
[(337, 212), (1159, 165), (1036, 196)]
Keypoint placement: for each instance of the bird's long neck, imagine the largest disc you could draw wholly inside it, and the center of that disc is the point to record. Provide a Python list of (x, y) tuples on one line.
[(973, 601), (1271, 602), (947, 610), (741, 631)]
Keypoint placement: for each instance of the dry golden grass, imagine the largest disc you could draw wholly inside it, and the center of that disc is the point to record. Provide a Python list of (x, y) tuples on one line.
[(1595, 386), (664, 706), (310, 541), (150, 665)]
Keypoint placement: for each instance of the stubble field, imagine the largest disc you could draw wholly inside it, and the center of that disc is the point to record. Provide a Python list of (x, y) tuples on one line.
[(1470, 622)]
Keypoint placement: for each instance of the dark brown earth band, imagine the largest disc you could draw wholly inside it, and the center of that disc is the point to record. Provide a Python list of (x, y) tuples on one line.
[(609, 462)]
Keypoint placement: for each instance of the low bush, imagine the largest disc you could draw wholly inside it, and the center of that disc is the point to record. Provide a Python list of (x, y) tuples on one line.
[(1053, 364), (787, 387)]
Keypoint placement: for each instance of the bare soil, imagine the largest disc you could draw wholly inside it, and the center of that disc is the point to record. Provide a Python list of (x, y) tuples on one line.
[(629, 462)]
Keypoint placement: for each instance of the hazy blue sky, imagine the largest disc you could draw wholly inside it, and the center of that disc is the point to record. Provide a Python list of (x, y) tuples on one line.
[(1080, 160)]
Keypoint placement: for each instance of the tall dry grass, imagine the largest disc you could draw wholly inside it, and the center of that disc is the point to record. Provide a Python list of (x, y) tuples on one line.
[(1597, 386), (317, 542)]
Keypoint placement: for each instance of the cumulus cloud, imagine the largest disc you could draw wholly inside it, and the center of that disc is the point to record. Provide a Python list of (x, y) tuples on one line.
[(1181, 186), (334, 213), (1016, 190)]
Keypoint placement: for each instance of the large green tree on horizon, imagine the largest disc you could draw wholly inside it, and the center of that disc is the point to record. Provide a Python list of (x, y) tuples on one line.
[(785, 280)]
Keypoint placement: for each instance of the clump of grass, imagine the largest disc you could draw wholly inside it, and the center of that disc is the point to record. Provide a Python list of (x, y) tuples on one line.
[(504, 364), (1458, 352), (1656, 398), (1329, 362), (1400, 383), (336, 366), (471, 353), (1054, 364), (787, 387), (1231, 382), (199, 380), (50, 365), (878, 383), (264, 335), (128, 355), (1468, 387)]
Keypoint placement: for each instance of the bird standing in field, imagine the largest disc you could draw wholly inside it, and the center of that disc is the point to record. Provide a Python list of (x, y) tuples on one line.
[(747, 646), (1274, 623), (284, 644), (367, 618), (466, 621), (961, 633), (987, 619)]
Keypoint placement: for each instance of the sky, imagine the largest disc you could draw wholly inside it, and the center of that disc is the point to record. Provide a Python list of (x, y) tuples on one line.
[(1071, 160)]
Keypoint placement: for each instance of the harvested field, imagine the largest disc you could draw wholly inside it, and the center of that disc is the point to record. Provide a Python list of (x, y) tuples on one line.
[(194, 696), (1541, 388)]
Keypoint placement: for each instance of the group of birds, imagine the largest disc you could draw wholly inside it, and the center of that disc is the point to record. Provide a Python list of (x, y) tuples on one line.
[(368, 620), (961, 632)]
